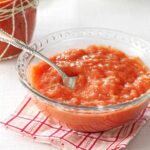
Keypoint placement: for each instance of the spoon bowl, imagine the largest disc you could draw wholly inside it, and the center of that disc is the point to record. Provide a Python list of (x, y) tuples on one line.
[(78, 117)]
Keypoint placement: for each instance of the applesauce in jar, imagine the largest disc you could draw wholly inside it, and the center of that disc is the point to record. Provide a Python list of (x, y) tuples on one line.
[(17, 17)]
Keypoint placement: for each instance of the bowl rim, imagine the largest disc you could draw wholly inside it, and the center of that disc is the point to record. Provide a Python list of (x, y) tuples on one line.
[(135, 101)]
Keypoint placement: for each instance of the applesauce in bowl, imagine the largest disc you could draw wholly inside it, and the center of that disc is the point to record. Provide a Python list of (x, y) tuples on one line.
[(112, 87)]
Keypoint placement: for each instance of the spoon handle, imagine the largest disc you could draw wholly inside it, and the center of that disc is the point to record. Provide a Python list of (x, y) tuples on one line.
[(7, 38)]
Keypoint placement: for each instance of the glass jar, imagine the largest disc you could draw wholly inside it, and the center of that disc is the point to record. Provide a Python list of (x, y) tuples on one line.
[(17, 17)]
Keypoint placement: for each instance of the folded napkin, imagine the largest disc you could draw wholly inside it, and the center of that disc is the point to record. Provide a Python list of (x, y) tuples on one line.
[(30, 121)]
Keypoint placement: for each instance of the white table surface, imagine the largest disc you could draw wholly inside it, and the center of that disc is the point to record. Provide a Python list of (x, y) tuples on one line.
[(131, 16)]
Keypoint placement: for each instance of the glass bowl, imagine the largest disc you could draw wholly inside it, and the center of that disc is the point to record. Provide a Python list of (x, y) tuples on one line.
[(86, 118)]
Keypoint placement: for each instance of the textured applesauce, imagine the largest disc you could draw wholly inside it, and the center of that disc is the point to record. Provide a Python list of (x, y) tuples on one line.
[(105, 76)]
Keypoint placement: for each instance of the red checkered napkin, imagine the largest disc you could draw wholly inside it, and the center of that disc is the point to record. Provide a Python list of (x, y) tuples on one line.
[(30, 121)]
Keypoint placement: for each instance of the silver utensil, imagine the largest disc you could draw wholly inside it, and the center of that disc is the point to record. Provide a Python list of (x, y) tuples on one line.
[(7, 38)]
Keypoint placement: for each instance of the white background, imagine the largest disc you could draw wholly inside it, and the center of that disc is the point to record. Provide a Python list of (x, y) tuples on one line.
[(132, 16)]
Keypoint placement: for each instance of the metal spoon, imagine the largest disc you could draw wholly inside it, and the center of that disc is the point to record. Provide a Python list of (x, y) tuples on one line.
[(7, 38)]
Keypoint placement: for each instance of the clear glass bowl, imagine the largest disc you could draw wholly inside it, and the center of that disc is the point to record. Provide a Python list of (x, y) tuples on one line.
[(86, 118)]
